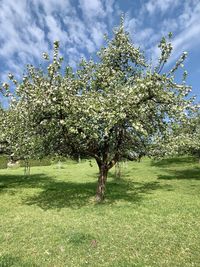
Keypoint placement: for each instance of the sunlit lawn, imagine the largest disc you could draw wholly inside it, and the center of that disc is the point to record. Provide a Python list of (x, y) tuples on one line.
[(151, 216)]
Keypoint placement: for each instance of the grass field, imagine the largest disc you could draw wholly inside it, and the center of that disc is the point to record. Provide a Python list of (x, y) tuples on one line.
[(151, 216)]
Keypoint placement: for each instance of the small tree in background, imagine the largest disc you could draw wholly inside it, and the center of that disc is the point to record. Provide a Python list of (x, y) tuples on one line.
[(117, 106)]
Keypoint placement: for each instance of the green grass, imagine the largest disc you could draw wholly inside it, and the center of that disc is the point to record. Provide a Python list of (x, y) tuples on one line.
[(151, 216)]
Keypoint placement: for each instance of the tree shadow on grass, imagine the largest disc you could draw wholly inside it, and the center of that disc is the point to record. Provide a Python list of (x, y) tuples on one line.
[(192, 173), (8, 260), (20, 181), (131, 191), (124, 175), (59, 195), (55, 194), (166, 162)]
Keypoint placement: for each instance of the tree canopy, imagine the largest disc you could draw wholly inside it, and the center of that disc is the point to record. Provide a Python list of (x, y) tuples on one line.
[(114, 107)]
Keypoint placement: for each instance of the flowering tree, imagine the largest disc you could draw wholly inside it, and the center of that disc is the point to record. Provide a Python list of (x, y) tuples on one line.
[(189, 139), (117, 106), (194, 140), (1, 132)]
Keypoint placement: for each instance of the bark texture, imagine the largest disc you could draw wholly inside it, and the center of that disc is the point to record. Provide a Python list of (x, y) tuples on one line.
[(103, 173)]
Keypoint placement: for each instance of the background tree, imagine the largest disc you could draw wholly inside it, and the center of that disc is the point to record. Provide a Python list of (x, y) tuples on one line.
[(181, 138), (190, 136), (3, 142), (194, 147), (106, 109)]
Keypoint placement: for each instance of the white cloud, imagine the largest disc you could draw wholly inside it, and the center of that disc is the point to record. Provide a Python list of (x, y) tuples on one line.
[(131, 24), (111, 11), (21, 39), (187, 38), (180, 17), (97, 32), (153, 6), (50, 6), (94, 14), (78, 34), (54, 29), (143, 37), (187, 29), (74, 56), (29, 27), (92, 9)]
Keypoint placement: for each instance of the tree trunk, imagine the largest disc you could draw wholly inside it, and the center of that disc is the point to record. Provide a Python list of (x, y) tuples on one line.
[(103, 172), (117, 170)]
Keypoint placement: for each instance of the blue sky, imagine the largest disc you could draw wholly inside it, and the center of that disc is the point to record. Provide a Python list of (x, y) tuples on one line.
[(29, 27)]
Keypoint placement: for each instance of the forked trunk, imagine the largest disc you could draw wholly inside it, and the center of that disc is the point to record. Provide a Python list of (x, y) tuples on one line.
[(103, 172)]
